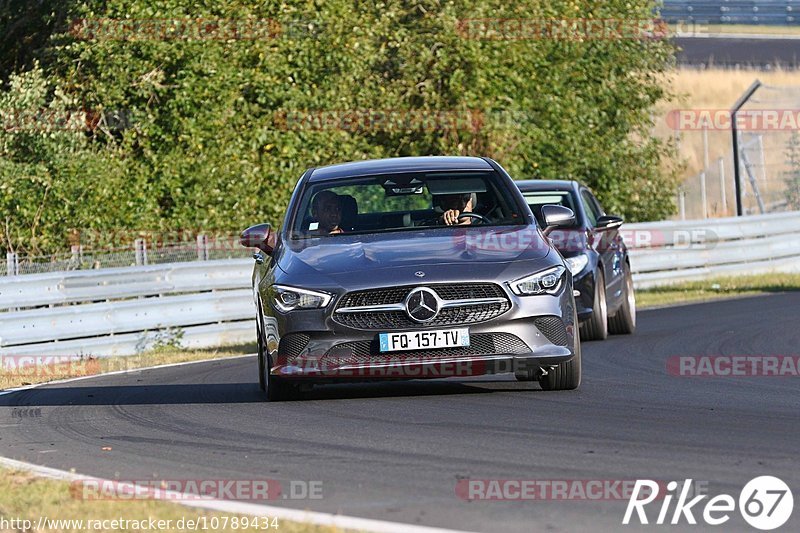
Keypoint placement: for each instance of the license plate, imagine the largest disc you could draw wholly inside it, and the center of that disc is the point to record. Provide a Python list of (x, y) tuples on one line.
[(424, 340)]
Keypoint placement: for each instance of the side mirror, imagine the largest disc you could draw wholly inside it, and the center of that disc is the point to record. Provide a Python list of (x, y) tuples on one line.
[(557, 216), (259, 236), (607, 222)]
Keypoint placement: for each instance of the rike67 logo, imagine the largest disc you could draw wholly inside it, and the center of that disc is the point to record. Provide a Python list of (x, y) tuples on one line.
[(765, 503)]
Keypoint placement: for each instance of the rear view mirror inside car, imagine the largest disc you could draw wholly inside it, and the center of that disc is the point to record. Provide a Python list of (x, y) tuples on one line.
[(456, 185)]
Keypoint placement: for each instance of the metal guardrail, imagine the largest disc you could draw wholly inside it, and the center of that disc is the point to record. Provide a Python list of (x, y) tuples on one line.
[(772, 12), (671, 252), (124, 311), (114, 283)]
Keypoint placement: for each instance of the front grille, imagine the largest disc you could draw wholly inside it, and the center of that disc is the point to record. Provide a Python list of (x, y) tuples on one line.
[(292, 345), (389, 320), (360, 352), (375, 297), (553, 328)]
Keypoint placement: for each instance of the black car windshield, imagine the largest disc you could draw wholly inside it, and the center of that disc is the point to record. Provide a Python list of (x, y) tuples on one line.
[(538, 199), (398, 202)]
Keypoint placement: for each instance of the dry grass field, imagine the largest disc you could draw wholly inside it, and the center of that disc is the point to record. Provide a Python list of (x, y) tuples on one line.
[(718, 89)]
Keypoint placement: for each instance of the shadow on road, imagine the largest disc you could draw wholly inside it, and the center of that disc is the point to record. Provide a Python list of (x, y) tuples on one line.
[(241, 393)]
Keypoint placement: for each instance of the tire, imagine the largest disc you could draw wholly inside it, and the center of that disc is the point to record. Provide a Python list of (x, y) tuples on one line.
[(275, 389), (624, 320), (262, 381), (566, 376), (596, 328)]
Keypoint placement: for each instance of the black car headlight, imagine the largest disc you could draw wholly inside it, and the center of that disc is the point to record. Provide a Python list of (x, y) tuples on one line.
[(577, 263), (286, 299), (547, 281)]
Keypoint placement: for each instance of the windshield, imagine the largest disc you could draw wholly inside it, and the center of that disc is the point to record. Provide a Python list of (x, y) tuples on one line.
[(398, 202), (538, 199)]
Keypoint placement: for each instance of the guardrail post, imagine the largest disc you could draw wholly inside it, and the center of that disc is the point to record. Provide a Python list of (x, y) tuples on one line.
[(682, 203), (722, 186), (12, 264), (202, 247), (703, 196), (141, 251), (763, 162)]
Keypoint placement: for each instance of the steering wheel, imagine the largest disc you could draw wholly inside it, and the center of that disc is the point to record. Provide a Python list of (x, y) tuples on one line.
[(476, 216)]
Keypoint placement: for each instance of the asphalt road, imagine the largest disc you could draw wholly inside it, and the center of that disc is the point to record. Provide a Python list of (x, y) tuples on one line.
[(395, 451), (720, 51)]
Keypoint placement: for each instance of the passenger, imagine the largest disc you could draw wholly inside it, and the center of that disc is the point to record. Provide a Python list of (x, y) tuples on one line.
[(326, 208)]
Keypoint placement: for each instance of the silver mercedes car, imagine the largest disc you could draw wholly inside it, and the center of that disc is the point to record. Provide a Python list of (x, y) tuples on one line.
[(409, 268)]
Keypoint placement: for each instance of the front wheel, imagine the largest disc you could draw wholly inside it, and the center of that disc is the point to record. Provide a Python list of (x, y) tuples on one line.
[(596, 327), (624, 320), (276, 389), (566, 376)]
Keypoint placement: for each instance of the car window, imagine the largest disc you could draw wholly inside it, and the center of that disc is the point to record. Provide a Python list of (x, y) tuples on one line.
[(596, 203), (538, 199), (590, 207), (395, 202)]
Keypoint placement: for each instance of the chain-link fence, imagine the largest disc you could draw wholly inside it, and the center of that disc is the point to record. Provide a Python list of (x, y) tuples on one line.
[(141, 252), (769, 155)]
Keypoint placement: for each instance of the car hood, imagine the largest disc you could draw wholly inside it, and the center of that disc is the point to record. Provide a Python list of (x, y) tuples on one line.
[(451, 250)]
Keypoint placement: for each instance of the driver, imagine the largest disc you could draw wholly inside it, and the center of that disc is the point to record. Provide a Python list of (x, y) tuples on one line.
[(455, 205)]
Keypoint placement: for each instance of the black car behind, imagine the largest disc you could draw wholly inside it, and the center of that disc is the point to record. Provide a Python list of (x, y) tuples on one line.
[(595, 253)]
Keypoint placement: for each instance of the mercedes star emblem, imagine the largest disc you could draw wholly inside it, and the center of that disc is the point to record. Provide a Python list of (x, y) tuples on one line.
[(422, 304)]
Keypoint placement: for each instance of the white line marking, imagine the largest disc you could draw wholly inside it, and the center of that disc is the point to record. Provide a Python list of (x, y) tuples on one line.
[(743, 36), (252, 509), (224, 506), (120, 372)]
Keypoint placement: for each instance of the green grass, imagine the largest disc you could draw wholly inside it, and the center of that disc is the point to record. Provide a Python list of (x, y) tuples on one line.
[(718, 288), (11, 378), (26, 497)]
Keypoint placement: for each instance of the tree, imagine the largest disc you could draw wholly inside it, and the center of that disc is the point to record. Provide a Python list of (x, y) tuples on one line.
[(221, 128)]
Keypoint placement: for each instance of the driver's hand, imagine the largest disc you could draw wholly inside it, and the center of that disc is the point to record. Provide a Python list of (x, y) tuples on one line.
[(450, 217)]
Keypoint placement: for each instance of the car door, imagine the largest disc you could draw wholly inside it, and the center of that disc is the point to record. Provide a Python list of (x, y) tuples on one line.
[(598, 240), (608, 245)]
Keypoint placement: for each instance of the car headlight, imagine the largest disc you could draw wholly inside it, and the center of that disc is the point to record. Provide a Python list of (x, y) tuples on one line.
[(577, 263), (545, 282), (290, 298)]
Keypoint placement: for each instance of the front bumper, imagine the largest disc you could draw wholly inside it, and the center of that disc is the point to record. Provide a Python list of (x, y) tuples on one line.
[(584, 282), (536, 332)]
